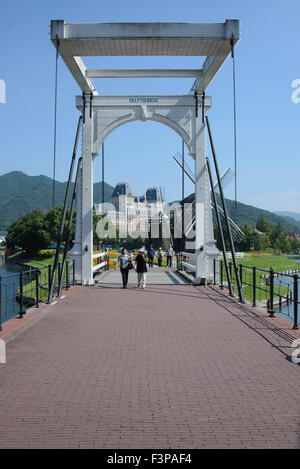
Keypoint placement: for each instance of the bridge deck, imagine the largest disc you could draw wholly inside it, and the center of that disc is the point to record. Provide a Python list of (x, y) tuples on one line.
[(165, 367), (155, 276)]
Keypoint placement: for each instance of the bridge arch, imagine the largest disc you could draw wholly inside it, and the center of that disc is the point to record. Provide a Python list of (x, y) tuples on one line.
[(162, 120), (176, 112)]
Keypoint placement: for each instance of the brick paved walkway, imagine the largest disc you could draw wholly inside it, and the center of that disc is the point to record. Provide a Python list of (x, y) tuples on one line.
[(167, 367)]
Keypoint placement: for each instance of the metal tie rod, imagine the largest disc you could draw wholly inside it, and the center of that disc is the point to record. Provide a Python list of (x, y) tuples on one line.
[(63, 217), (237, 275), (216, 186), (220, 228), (69, 228)]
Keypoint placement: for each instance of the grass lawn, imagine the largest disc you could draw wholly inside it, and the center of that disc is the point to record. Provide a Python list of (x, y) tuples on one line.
[(277, 263), (265, 262), (41, 260)]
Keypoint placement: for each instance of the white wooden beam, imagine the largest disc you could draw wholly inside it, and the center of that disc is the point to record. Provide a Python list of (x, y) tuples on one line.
[(212, 64), (144, 73), (78, 69)]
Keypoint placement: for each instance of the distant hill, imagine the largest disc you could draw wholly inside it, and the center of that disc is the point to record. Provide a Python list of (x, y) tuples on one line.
[(293, 215), (20, 193), (248, 215)]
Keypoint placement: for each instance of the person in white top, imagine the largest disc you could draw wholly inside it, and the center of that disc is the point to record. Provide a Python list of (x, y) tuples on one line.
[(170, 252)]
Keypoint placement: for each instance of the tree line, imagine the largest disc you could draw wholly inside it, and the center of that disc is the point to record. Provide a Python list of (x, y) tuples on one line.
[(263, 236), (36, 230)]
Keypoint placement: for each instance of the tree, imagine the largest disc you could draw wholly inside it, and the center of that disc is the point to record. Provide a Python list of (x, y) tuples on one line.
[(263, 225), (96, 219), (34, 230), (218, 238), (53, 221), (29, 232), (247, 242), (295, 246)]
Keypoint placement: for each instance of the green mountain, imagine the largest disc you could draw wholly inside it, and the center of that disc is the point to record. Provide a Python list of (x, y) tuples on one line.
[(20, 193), (293, 215), (248, 215)]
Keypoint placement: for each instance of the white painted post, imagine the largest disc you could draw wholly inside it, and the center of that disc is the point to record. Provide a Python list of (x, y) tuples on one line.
[(87, 196), (200, 190), (205, 247)]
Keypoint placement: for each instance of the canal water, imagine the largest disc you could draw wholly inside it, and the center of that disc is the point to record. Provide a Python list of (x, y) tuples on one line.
[(287, 309), (10, 283)]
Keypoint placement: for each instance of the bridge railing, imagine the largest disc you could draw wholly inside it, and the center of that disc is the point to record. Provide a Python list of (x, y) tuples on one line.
[(103, 261), (21, 290), (186, 261), (277, 291)]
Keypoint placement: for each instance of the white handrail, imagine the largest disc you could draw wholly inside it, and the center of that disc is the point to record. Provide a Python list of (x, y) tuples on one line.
[(189, 266), (99, 254), (188, 254), (98, 266)]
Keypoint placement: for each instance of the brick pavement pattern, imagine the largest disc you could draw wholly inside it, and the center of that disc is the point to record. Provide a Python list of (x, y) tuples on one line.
[(166, 367)]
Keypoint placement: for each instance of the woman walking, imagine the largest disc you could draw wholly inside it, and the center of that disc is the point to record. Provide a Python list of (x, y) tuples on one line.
[(160, 256), (124, 266), (141, 268)]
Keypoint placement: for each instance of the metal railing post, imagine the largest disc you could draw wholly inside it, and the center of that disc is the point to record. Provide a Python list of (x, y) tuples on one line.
[(0, 303), (37, 286), (49, 277), (254, 286), (295, 299), (271, 303), (215, 272), (21, 313), (67, 276), (241, 274), (221, 285), (59, 272)]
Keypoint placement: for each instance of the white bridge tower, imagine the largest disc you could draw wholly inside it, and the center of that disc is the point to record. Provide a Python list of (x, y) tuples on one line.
[(185, 114)]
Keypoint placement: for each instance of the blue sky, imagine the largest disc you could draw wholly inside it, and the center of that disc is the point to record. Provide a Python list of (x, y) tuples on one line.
[(268, 121)]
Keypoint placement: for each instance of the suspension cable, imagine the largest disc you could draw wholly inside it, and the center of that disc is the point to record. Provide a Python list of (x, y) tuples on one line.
[(234, 123), (55, 118)]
